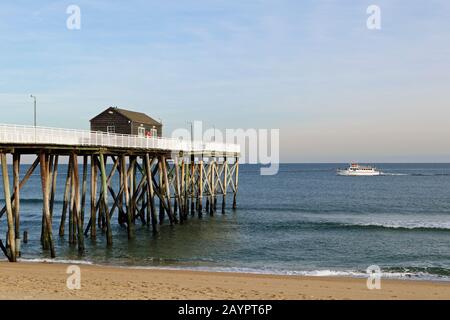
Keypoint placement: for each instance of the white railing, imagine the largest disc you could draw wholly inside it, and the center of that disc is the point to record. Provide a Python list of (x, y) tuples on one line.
[(18, 134)]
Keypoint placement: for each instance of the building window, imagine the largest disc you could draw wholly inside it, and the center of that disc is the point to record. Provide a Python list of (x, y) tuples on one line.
[(111, 129), (141, 132), (154, 132)]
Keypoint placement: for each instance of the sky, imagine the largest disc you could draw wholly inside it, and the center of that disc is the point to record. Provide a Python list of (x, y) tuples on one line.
[(337, 91)]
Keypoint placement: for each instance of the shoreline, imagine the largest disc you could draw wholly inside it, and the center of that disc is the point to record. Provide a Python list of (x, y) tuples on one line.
[(35, 281), (319, 273)]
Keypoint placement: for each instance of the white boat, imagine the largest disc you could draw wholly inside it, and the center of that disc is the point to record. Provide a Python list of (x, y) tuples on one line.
[(357, 170)]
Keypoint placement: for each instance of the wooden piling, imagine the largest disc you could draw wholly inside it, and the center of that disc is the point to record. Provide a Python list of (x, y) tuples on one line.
[(66, 199), (129, 212), (78, 221), (121, 216), (151, 193), (72, 204), (212, 188), (225, 184), (16, 177), (200, 187), (45, 180), (236, 177), (172, 219), (84, 187), (161, 192), (93, 196), (183, 190), (132, 187), (44, 236), (54, 181), (178, 197), (105, 199), (192, 185), (11, 253)]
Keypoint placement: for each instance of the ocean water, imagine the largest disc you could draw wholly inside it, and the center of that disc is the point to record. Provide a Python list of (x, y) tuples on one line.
[(305, 220)]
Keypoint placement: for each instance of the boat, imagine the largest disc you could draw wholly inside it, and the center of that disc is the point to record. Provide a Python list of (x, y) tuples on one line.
[(358, 170)]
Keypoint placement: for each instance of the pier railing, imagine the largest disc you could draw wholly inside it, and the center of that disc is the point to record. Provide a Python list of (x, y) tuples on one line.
[(19, 134)]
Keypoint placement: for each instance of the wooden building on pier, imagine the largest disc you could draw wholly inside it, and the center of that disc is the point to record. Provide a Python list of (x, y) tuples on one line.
[(121, 121)]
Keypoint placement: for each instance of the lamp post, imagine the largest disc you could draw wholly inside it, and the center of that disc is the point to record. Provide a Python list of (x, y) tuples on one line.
[(192, 133), (33, 97)]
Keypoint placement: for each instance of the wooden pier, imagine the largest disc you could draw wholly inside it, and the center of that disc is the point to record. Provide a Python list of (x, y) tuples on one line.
[(160, 181)]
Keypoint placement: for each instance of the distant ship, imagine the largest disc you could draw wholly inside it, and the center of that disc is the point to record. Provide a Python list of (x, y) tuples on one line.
[(357, 170)]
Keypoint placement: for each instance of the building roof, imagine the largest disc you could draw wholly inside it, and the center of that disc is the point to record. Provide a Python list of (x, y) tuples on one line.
[(135, 116)]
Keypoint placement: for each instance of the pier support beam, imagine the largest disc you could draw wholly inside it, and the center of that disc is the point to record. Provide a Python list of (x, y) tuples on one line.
[(236, 183), (93, 196), (16, 177), (172, 219), (200, 187), (126, 189), (78, 220), (84, 187), (225, 184), (151, 193), (105, 200), (10, 249), (67, 191), (45, 180)]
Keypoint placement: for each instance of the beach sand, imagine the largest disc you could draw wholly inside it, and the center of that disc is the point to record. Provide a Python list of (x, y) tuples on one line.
[(48, 281)]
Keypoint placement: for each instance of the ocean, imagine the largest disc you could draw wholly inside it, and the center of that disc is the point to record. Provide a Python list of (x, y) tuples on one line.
[(306, 220)]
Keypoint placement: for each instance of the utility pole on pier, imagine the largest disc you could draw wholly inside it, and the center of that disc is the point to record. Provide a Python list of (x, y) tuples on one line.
[(192, 134), (33, 97)]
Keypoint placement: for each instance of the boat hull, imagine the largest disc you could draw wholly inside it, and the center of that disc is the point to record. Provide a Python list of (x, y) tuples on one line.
[(358, 173)]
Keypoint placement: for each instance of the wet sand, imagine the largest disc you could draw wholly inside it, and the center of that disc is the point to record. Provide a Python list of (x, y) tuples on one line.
[(48, 281)]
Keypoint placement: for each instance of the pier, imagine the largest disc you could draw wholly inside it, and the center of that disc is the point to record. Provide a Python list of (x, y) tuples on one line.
[(160, 180)]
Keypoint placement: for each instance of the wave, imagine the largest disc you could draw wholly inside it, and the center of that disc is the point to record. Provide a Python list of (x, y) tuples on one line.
[(34, 200), (410, 273), (438, 271), (397, 226), (56, 261)]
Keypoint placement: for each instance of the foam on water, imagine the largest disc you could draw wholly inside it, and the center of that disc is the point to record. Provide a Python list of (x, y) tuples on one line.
[(55, 261), (267, 271)]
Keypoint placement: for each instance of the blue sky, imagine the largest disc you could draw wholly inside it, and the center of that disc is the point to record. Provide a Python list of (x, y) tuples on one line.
[(337, 91)]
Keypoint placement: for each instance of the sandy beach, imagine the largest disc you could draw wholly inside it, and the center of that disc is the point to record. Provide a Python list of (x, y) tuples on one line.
[(48, 281)]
